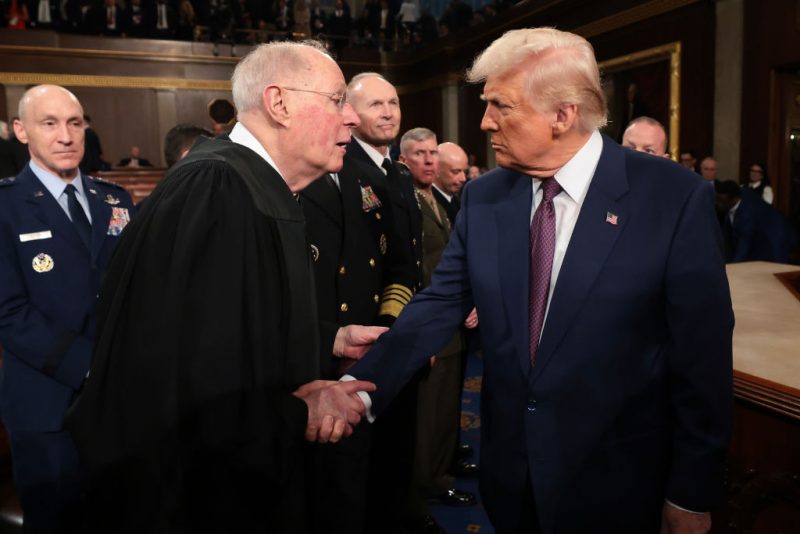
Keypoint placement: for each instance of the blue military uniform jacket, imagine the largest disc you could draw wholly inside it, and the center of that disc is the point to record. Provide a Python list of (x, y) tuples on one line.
[(48, 288)]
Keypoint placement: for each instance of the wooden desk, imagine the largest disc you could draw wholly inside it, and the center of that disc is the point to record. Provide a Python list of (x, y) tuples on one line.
[(764, 460)]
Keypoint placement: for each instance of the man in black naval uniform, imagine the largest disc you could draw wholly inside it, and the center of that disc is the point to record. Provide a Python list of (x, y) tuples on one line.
[(58, 228), (365, 232)]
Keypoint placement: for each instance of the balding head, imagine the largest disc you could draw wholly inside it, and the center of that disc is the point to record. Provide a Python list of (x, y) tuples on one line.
[(453, 162), (51, 124), (646, 135), (375, 101), (290, 97)]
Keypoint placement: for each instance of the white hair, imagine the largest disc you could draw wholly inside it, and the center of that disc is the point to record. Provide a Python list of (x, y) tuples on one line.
[(565, 70), (267, 64)]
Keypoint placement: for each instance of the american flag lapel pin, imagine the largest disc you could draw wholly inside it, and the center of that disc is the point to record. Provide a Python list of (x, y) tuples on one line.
[(611, 218)]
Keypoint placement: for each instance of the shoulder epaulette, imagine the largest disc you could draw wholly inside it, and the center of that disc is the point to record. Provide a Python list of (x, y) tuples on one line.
[(105, 182), (8, 180)]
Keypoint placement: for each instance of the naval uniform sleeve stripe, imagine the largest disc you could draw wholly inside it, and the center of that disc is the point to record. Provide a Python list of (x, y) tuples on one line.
[(390, 307)]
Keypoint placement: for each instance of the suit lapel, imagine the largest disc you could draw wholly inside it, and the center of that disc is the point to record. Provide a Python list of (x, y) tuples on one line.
[(513, 233), (48, 210), (591, 242)]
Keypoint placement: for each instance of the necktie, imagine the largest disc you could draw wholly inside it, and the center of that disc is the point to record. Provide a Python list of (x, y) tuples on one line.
[(387, 166), (78, 217), (542, 247)]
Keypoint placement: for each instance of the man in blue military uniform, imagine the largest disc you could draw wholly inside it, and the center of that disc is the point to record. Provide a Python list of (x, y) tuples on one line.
[(58, 228)]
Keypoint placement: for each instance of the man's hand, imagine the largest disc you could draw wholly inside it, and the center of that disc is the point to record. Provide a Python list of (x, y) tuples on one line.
[(353, 341), (472, 319), (333, 408), (677, 521)]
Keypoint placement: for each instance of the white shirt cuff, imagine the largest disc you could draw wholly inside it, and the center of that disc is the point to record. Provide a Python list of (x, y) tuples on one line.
[(682, 509), (364, 396)]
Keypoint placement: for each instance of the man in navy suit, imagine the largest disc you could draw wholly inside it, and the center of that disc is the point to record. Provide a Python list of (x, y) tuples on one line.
[(57, 230), (605, 311), (753, 230)]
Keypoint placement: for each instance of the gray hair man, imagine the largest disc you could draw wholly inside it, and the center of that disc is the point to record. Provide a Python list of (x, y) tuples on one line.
[(210, 322)]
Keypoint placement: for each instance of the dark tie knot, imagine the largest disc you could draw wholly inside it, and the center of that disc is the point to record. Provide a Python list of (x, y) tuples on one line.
[(387, 164), (70, 190), (550, 188)]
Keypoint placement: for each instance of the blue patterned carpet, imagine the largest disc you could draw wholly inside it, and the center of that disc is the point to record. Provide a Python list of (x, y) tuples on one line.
[(472, 519)]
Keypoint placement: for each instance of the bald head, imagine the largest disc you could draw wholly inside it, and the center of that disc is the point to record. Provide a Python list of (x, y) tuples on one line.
[(51, 124), (39, 92), (377, 105), (453, 163), (647, 135)]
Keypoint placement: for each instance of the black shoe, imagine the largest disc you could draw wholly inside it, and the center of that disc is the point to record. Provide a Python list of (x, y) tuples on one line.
[(464, 468), (454, 497), (464, 451), (426, 525)]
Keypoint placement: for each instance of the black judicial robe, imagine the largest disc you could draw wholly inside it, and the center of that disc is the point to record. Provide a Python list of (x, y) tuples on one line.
[(207, 323)]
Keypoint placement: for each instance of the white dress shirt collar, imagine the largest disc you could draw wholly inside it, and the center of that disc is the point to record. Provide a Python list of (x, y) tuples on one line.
[(445, 195), (54, 184), (576, 175), (373, 154), (242, 136)]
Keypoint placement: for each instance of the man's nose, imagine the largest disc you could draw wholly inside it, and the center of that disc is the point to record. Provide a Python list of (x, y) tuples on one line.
[(350, 116)]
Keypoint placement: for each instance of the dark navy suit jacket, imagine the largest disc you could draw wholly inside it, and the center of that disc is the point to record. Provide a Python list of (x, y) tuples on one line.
[(630, 400), (47, 318), (759, 232)]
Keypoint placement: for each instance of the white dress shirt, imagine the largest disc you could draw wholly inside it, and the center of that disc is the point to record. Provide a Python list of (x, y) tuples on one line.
[(574, 178)]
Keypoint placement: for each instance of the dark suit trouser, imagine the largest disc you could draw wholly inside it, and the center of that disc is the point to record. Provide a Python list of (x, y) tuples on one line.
[(48, 480), (437, 425)]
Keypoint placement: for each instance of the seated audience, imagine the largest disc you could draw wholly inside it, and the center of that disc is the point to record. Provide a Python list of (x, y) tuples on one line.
[(184, 27), (134, 160), (752, 229), (134, 19)]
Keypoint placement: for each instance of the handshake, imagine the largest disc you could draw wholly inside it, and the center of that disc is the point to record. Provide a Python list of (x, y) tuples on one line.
[(334, 407)]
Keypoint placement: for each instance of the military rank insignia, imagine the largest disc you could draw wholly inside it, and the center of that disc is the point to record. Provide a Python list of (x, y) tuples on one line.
[(369, 200), (43, 263), (119, 219)]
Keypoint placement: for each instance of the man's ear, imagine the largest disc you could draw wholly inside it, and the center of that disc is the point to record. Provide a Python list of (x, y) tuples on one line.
[(274, 104), (566, 117), (19, 131), (401, 158)]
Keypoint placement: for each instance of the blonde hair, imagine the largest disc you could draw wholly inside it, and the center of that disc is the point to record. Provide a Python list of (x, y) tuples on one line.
[(267, 64), (564, 71)]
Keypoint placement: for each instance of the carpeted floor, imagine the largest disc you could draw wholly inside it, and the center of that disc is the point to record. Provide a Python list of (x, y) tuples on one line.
[(472, 519)]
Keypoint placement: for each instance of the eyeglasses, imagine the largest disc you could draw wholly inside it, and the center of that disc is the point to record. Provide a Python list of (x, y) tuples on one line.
[(338, 98)]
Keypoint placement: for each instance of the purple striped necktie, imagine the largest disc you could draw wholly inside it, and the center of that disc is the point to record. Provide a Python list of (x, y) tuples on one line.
[(542, 248)]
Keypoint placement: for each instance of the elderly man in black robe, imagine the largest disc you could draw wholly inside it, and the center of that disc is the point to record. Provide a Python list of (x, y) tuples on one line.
[(203, 388)]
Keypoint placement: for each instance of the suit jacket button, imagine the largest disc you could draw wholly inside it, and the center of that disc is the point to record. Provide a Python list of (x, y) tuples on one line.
[(344, 307), (531, 405), (341, 270), (378, 216), (371, 262), (414, 241), (376, 298), (418, 263)]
